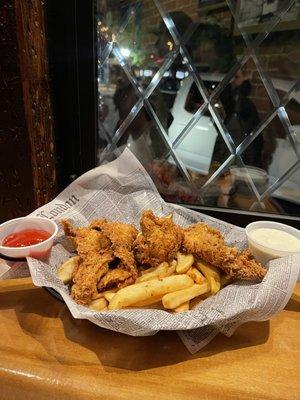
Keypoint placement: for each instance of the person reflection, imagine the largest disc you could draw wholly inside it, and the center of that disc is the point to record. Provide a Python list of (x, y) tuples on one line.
[(212, 51), (143, 131)]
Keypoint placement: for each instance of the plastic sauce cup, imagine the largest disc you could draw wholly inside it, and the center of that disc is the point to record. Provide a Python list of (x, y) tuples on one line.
[(264, 253), (40, 250)]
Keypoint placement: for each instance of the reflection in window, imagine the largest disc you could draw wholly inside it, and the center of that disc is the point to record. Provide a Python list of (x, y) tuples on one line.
[(213, 123)]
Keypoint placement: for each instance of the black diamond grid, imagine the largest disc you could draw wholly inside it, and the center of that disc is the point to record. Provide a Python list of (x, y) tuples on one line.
[(236, 152)]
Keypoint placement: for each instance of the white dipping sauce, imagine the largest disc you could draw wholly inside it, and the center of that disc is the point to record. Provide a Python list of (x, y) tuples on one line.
[(275, 239)]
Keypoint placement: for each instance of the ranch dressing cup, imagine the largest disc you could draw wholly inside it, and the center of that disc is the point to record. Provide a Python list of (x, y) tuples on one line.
[(268, 240)]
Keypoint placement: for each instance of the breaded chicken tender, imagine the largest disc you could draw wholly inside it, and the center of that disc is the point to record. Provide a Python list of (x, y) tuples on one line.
[(68, 227), (116, 278), (121, 237), (87, 275), (160, 240), (106, 258), (120, 234), (88, 240), (111, 252), (244, 267), (208, 244)]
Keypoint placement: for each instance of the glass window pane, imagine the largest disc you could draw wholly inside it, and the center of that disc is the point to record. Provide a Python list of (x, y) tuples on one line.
[(206, 94)]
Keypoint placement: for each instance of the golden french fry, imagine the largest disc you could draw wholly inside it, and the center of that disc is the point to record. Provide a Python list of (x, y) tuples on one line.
[(209, 269), (215, 285), (169, 216), (161, 266), (146, 271), (184, 262), (159, 272), (170, 270), (65, 271), (147, 302), (175, 299), (212, 274), (196, 275), (182, 307), (99, 304), (142, 291), (172, 267), (108, 295)]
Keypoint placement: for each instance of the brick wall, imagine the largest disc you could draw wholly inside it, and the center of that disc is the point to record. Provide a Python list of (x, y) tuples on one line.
[(151, 18), (279, 53), (280, 61)]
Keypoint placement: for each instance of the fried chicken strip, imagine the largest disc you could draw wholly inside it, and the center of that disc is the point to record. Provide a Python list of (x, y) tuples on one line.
[(90, 241), (107, 259), (116, 278), (245, 267), (120, 234), (122, 237), (85, 239), (160, 240), (87, 275), (68, 227), (208, 244)]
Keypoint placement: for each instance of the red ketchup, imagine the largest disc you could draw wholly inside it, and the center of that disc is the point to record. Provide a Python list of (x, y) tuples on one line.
[(27, 237)]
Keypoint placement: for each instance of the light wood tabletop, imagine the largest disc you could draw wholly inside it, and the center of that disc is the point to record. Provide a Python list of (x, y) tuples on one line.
[(46, 354)]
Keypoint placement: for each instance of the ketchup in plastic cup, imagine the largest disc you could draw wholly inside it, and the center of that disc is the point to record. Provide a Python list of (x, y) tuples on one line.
[(27, 237), (24, 238)]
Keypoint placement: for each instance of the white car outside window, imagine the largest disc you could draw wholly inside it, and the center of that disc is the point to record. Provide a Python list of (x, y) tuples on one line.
[(197, 147)]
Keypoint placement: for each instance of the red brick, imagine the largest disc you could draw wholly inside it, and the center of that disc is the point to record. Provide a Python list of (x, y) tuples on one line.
[(260, 91), (180, 4), (264, 61), (194, 16), (275, 61), (290, 47), (190, 10), (262, 105), (167, 3), (269, 49), (250, 65), (151, 22), (256, 79), (147, 11), (148, 4), (171, 6), (292, 109)]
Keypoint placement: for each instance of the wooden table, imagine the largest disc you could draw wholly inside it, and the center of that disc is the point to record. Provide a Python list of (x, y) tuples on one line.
[(46, 354)]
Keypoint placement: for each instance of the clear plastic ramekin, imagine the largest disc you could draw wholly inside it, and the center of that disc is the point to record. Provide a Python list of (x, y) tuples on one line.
[(260, 251)]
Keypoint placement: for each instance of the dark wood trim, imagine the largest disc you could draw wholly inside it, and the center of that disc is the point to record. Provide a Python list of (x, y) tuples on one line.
[(87, 81), (36, 96), (16, 184), (71, 53)]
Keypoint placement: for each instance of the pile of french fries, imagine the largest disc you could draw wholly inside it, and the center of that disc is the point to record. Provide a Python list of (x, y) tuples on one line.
[(175, 286)]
